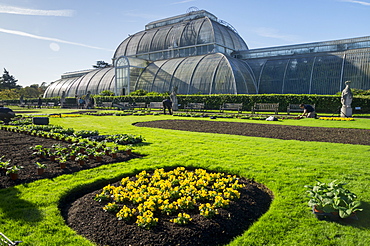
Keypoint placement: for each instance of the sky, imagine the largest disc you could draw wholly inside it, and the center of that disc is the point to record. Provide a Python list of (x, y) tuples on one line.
[(42, 39)]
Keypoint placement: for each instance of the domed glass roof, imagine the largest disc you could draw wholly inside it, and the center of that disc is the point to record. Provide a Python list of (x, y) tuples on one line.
[(195, 33), (213, 73), (95, 81)]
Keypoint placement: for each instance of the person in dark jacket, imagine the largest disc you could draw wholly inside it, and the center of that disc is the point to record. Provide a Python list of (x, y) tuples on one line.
[(39, 102), (308, 111), (167, 104)]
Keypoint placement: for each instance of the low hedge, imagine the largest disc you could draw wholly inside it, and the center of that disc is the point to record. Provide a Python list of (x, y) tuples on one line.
[(324, 103)]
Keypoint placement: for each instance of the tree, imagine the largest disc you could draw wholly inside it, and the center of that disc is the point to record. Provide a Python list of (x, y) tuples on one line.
[(101, 64), (8, 81), (7, 94), (33, 90)]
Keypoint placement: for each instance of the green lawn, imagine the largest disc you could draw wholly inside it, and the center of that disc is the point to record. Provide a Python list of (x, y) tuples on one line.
[(30, 212)]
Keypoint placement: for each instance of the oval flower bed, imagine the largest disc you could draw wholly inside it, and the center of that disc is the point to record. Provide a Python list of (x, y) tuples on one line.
[(179, 190), (175, 207)]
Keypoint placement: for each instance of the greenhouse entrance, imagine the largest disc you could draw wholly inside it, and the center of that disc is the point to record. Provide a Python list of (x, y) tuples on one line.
[(127, 70)]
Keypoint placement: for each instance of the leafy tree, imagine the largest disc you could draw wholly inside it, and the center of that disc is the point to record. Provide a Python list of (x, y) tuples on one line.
[(101, 64), (9, 94), (8, 81), (30, 92)]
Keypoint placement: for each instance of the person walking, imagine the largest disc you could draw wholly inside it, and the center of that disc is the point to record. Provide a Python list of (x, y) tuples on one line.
[(167, 104), (39, 102)]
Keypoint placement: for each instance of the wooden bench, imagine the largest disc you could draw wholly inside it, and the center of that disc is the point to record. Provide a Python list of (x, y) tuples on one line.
[(122, 105), (265, 107), (155, 105), (106, 104), (232, 106), (126, 105), (295, 108), (50, 105), (6, 241), (139, 105), (194, 106)]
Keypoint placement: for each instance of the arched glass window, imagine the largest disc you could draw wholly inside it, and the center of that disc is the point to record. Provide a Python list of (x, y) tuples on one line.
[(122, 83)]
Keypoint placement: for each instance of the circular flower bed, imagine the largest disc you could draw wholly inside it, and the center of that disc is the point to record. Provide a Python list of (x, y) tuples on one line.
[(169, 193), (171, 206)]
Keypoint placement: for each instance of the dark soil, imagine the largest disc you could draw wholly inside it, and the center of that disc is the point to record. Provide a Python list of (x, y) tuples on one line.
[(86, 216), (16, 147), (319, 134)]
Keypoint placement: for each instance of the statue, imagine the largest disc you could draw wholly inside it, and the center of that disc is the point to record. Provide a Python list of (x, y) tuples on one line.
[(347, 95), (346, 100), (173, 96), (62, 99), (87, 99)]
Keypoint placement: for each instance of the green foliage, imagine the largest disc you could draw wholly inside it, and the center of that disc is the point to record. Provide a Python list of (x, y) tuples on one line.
[(86, 133), (332, 197), (7, 94), (40, 165), (125, 139), (4, 164), (107, 93), (284, 166), (357, 92), (8, 81), (140, 92), (324, 103), (13, 169)]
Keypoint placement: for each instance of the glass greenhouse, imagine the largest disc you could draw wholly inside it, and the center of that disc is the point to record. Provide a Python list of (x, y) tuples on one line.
[(200, 54)]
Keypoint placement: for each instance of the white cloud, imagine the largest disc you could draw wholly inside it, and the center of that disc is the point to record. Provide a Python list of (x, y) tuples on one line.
[(24, 34), (24, 11), (358, 2), (274, 33)]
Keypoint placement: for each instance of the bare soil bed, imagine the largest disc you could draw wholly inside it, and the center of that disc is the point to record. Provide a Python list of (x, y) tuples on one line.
[(16, 147), (319, 134)]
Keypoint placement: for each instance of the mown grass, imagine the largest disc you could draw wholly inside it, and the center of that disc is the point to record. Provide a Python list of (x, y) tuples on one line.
[(30, 212)]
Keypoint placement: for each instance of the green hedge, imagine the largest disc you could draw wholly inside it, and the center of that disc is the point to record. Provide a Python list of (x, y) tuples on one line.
[(324, 103)]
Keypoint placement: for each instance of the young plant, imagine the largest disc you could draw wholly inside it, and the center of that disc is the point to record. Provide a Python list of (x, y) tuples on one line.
[(332, 197), (14, 169), (99, 154), (38, 150), (40, 165), (111, 207), (207, 210), (146, 220), (182, 219), (81, 157), (114, 150), (4, 164), (126, 213), (62, 158)]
